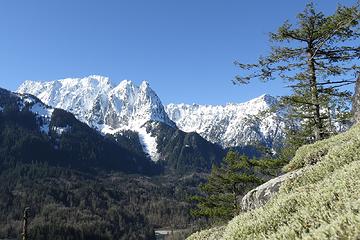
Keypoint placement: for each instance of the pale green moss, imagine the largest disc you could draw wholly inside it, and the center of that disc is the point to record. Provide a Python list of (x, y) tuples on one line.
[(312, 153), (209, 234), (322, 203)]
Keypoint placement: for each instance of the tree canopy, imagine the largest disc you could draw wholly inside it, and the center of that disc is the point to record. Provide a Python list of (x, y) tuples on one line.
[(225, 184), (316, 57)]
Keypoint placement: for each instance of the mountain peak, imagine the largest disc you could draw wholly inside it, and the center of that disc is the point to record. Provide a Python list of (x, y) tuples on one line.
[(268, 98), (89, 81), (144, 85), (148, 92), (95, 101), (123, 86), (100, 79)]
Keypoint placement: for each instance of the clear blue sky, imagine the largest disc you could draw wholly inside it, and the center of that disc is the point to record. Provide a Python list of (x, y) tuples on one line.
[(184, 48)]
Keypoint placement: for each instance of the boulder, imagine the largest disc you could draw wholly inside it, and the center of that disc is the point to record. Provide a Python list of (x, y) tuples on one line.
[(263, 193)]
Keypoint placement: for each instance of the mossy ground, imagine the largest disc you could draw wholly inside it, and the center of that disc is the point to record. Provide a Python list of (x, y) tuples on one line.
[(322, 203)]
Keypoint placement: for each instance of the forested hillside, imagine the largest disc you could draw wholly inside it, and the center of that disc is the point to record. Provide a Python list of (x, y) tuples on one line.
[(78, 183)]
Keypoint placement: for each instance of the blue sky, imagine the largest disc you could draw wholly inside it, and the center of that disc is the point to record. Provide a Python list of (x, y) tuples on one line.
[(185, 49)]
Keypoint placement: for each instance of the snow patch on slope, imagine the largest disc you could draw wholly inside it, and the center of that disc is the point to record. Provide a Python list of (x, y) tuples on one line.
[(148, 143), (61, 130), (43, 114), (41, 110)]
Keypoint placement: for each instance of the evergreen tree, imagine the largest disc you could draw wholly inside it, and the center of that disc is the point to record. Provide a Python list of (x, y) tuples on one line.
[(317, 57), (225, 184)]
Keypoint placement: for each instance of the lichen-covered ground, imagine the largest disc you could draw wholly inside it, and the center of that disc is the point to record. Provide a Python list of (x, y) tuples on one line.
[(322, 203)]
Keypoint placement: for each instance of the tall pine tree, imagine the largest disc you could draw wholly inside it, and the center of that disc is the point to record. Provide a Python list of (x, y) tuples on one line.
[(317, 58), (226, 183)]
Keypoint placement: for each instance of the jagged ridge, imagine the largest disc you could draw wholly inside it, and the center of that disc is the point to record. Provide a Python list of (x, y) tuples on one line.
[(103, 106), (97, 102), (230, 125), (33, 131), (112, 109)]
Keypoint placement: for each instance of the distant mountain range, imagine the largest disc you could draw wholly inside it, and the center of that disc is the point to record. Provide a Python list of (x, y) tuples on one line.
[(113, 109), (31, 131), (231, 125)]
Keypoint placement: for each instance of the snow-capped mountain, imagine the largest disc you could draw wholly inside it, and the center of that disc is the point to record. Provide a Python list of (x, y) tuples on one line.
[(97, 102), (230, 125), (33, 131), (113, 109), (108, 108)]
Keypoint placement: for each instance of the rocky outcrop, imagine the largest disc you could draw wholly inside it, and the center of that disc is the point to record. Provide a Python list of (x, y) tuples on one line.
[(263, 193), (356, 101)]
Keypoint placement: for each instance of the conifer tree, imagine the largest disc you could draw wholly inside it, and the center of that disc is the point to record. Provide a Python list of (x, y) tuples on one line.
[(226, 183), (317, 58)]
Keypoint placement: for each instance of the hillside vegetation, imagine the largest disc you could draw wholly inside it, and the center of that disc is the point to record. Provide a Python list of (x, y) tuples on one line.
[(322, 203)]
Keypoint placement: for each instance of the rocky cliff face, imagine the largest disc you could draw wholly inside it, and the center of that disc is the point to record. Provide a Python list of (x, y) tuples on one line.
[(232, 124), (114, 109), (31, 131), (97, 102), (109, 108), (356, 101)]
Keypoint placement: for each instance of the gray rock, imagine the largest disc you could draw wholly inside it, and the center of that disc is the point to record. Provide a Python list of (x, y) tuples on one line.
[(263, 193)]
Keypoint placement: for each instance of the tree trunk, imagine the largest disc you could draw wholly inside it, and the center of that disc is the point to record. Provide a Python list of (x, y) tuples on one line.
[(235, 199), (318, 127), (25, 224), (356, 101)]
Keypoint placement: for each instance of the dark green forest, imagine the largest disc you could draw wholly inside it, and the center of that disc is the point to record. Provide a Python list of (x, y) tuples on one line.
[(85, 206)]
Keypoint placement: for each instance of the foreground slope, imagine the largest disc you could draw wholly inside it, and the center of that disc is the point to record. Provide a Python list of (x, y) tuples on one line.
[(322, 203)]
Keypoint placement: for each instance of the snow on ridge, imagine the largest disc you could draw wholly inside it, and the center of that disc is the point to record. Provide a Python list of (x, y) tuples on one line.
[(1, 109), (110, 109), (95, 101), (228, 125)]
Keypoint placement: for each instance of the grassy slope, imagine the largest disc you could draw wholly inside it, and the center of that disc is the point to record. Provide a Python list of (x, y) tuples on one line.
[(323, 203)]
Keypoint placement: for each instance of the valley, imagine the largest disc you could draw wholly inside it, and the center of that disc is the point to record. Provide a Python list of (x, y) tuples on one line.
[(173, 120), (56, 164), (142, 167)]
